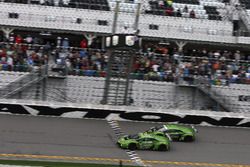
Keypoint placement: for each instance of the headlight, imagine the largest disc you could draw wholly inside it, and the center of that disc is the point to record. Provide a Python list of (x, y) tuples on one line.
[(196, 131)]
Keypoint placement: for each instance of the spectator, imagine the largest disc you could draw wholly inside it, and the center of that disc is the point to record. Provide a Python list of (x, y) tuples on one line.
[(12, 38), (169, 3), (84, 43), (161, 4), (47, 48), (192, 14), (178, 12), (237, 56), (185, 10), (61, 3), (58, 41), (29, 39), (18, 39), (65, 43), (169, 11)]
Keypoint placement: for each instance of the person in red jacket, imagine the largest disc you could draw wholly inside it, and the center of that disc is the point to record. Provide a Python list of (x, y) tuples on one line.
[(169, 11), (18, 39), (84, 43)]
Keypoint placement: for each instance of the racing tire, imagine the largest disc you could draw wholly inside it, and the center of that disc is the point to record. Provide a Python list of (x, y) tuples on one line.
[(132, 146), (162, 148), (188, 138), (118, 144)]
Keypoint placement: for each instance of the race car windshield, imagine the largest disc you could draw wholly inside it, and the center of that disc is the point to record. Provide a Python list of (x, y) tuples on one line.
[(159, 127), (156, 128), (153, 129), (133, 136)]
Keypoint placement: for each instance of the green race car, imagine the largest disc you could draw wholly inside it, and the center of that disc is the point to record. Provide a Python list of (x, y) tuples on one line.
[(176, 132), (145, 141)]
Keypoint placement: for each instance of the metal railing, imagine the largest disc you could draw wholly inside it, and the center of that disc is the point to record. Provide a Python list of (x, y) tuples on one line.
[(204, 85), (244, 16), (36, 75)]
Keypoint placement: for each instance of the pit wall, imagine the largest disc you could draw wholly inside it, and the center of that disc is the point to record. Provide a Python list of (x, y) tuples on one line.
[(122, 113)]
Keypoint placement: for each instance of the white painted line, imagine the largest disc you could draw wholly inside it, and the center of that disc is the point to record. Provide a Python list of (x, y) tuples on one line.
[(132, 154), (116, 127)]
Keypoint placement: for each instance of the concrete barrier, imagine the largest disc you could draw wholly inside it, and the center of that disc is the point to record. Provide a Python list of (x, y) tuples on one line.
[(124, 113)]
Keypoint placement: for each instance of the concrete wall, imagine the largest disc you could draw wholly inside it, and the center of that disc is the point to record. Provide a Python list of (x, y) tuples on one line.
[(146, 94)]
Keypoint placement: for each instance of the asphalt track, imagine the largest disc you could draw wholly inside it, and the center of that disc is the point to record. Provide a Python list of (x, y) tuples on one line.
[(22, 135)]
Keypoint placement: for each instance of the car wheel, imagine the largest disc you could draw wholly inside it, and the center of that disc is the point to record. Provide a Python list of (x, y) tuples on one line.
[(162, 148), (118, 144), (188, 138), (132, 146)]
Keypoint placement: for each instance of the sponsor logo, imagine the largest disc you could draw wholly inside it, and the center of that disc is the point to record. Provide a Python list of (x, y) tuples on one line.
[(244, 98), (124, 115)]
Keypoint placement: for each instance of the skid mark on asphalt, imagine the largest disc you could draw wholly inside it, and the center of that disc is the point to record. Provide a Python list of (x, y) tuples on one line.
[(119, 133)]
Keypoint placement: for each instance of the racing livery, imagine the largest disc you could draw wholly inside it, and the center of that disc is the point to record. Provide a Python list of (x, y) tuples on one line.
[(145, 141), (176, 132)]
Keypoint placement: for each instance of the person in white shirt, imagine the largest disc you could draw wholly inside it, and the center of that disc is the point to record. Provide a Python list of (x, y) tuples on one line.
[(29, 39), (10, 61)]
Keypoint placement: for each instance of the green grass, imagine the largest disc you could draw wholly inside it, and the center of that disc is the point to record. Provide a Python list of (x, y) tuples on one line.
[(54, 164)]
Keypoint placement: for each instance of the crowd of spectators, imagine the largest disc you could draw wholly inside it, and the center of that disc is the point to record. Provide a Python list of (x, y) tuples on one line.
[(157, 63), (222, 67), (169, 10), (18, 57), (82, 61), (153, 62)]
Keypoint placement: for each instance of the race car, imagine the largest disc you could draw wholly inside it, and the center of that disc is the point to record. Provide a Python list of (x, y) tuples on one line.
[(176, 132), (145, 141)]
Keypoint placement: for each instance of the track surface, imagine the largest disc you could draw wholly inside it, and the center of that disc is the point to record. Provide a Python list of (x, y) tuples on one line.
[(95, 138)]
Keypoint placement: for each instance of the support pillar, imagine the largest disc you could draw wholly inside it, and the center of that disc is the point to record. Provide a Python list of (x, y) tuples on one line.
[(103, 42), (7, 32), (138, 11), (116, 11), (44, 83), (180, 45), (90, 38)]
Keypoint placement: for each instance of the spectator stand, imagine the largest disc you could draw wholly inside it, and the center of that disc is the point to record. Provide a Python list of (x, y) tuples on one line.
[(149, 65), (191, 9), (158, 64), (86, 4), (68, 23)]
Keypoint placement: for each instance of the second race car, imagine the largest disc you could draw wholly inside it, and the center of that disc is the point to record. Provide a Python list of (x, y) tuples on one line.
[(145, 141), (176, 132)]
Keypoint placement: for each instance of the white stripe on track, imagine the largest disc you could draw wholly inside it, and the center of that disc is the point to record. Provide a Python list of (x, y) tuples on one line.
[(132, 154)]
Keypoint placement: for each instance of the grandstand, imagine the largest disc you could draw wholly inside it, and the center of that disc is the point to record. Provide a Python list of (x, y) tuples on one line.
[(194, 54)]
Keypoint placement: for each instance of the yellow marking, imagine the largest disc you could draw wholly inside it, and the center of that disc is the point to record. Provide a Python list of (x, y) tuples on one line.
[(118, 160)]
